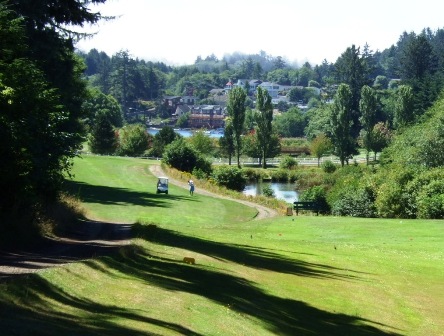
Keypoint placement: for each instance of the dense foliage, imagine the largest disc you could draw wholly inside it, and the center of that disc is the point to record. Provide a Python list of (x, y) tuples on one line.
[(41, 95)]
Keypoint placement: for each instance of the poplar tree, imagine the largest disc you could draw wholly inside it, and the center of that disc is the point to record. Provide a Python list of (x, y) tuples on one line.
[(236, 111), (341, 124), (264, 117), (368, 106)]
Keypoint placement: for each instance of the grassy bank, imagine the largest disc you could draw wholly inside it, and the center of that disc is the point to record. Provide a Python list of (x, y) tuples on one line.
[(304, 275)]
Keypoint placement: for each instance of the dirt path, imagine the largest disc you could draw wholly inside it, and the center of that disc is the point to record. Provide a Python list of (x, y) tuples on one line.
[(89, 239), (263, 212)]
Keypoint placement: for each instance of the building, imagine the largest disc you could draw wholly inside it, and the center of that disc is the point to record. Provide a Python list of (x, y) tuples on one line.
[(207, 116)]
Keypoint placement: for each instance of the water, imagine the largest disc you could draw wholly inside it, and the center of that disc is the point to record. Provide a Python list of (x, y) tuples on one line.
[(188, 132), (282, 191)]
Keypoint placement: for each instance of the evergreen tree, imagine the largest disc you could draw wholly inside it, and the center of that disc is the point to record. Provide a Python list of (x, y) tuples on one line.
[(102, 139), (41, 95)]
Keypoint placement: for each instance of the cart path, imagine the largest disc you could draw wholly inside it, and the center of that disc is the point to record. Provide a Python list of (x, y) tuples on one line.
[(263, 212), (89, 239)]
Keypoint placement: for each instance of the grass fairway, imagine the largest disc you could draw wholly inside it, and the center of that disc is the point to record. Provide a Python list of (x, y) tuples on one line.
[(304, 275)]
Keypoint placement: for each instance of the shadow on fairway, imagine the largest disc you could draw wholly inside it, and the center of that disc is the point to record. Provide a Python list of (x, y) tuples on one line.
[(96, 319), (110, 196), (281, 316), (24, 311), (249, 256)]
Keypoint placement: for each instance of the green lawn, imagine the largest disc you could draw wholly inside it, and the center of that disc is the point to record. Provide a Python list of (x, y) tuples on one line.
[(304, 275)]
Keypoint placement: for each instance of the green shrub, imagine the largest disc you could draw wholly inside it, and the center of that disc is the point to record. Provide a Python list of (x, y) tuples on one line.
[(267, 191), (252, 174), (430, 201), (288, 162), (393, 200), (355, 203), (280, 175), (328, 166), (293, 176), (230, 177), (316, 194), (182, 156)]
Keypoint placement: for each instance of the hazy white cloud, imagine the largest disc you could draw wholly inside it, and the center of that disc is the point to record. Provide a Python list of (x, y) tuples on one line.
[(177, 31)]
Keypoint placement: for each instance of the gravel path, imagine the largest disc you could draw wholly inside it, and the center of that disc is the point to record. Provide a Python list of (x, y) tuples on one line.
[(89, 239)]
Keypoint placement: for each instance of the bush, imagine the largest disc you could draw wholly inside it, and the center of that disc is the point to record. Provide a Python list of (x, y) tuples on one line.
[(133, 140), (280, 175), (267, 191), (355, 203), (328, 166), (316, 194), (288, 162), (230, 177), (392, 200), (430, 201), (183, 157)]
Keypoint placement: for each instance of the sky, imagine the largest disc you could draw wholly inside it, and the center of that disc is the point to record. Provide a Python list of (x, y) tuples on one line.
[(176, 32)]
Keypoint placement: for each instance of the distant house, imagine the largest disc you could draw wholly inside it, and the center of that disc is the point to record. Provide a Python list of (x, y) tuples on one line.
[(207, 116), (189, 100), (171, 103), (229, 86), (182, 109), (272, 88)]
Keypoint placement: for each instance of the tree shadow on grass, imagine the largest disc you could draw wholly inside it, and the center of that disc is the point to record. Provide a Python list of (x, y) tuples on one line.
[(35, 315), (111, 195), (282, 316), (249, 256), (86, 239), (27, 306)]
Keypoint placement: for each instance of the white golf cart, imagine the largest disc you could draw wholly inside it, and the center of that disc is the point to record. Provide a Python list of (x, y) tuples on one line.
[(162, 185)]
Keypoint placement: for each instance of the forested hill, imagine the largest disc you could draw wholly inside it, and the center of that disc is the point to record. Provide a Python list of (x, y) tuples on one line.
[(415, 59)]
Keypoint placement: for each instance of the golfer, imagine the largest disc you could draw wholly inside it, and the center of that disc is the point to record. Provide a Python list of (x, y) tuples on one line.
[(191, 184)]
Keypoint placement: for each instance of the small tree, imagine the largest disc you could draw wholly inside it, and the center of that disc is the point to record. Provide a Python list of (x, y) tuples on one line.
[(226, 142), (164, 137), (202, 142), (182, 156), (320, 146), (381, 137), (133, 140)]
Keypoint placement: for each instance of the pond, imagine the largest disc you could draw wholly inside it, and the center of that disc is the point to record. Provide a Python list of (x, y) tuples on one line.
[(188, 132), (282, 191)]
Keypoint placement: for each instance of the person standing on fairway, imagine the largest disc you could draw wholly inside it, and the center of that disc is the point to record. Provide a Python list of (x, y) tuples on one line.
[(191, 184)]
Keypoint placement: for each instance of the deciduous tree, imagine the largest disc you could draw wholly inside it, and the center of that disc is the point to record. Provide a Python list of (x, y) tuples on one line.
[(236, 111), (368, 106), (264, 118), (341, 123), (320, 146)]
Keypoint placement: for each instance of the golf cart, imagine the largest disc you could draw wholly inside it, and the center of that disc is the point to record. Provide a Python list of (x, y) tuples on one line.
[(162, 185)]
